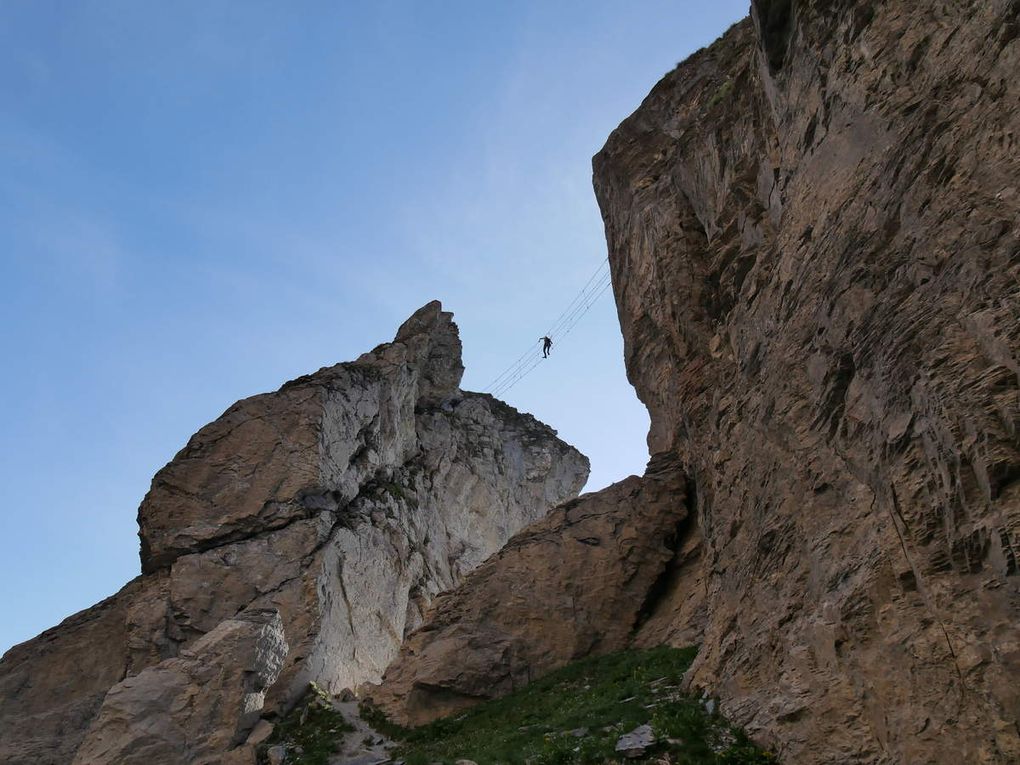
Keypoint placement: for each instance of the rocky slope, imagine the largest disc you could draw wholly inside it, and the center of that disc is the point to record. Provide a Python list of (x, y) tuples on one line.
[(812, 228), (295, 539), (575, 583)]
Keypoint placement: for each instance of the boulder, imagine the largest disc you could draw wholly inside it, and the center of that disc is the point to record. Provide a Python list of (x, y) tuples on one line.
[(194, 708), (636, 743)]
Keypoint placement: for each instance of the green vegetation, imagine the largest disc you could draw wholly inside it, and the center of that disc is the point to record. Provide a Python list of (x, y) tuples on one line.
[(577, 714), (721, 94), (397, 492), (311, 732)]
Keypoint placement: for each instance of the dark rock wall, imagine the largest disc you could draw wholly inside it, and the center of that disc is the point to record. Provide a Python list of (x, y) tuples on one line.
[(812, 227)]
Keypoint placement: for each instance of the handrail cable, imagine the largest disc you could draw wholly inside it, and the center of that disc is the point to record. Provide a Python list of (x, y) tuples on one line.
[(525, 358), (593, 289), (570, 305), (526, 369)]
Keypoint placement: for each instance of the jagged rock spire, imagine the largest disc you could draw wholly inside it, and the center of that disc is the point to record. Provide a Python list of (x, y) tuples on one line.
[(345, 501)]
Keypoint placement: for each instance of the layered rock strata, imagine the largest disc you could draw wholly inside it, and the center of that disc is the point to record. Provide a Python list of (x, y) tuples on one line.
[(195, 707), (812, 228), (583, 580), (345, 501)]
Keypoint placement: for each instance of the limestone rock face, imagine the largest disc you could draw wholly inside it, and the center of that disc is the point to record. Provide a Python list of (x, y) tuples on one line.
[(345, 501), (51, 687), (191, 709), (267, 460), (583, 580), (812, 228)]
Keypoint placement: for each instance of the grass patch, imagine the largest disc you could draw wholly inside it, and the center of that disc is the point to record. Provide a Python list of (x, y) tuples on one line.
[(721, 94), (311, 732), (577, 714), (397, 492)]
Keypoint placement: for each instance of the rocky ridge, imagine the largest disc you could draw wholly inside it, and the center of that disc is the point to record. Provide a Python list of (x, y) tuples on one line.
[(328, 513), (573, 584), (812, 228)]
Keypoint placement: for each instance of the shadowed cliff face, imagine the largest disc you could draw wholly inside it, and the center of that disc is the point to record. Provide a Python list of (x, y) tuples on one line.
[(812, 227), (332, 510)]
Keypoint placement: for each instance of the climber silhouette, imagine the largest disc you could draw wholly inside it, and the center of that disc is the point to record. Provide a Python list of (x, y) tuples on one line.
[(546, 346)]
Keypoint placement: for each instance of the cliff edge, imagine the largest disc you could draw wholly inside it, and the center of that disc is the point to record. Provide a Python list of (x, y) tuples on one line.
[(812, 228)]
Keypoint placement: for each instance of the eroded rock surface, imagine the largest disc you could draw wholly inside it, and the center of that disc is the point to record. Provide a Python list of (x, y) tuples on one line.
[(812, 228), (583, 580), (345, 501), (193, 708), (51, 687)]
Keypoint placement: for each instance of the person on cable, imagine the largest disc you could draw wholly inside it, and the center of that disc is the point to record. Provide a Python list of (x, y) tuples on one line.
[(546, 346)]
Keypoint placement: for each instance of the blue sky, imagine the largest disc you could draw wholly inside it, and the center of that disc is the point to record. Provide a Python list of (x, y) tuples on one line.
[(202, 200)]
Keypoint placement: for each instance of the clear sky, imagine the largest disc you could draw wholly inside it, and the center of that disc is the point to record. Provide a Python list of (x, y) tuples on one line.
[(200, 200)]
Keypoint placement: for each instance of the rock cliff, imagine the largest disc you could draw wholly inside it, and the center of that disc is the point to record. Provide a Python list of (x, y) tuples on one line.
[(295, 539), (812, 228), (194, 708), (813, 232), (573, 584)]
